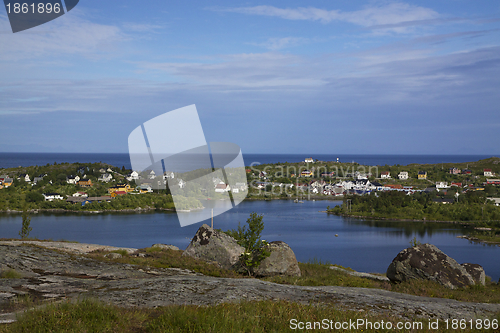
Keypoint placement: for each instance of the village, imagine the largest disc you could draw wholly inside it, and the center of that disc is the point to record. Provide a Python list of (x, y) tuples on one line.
[(333, 180), (88, 184)]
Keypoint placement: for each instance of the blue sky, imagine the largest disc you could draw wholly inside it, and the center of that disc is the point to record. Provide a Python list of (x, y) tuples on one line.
[(382, 77)]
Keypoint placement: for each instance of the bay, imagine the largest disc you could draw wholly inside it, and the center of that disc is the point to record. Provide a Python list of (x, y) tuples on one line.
[(364, 245)]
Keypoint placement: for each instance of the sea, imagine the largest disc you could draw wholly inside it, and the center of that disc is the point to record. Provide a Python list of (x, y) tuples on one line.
[(12, 160)]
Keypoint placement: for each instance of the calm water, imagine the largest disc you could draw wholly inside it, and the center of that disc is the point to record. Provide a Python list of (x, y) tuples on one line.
[(367, 246), (10, 160)]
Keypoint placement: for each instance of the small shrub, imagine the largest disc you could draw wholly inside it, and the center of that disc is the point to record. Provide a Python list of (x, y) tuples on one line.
[(414, 242), (10, 274), (123, 252), (25, 229), (255, 248)]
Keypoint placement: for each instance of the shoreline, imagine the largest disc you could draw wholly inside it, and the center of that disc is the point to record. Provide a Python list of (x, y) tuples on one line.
[(59, 210), (464, 223), (400, 220), (139, 209)]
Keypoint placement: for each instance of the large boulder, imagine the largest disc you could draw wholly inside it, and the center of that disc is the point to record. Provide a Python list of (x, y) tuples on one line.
[(282, 261), (427, 262), (213, 246), (165, 247), (477, 272)]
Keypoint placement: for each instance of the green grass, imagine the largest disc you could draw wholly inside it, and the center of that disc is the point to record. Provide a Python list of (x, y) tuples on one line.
[(18, 303), (314, 273), (480, 294), (10, 274), (256, 316), (161, 258), (124, 253), (319, 274)]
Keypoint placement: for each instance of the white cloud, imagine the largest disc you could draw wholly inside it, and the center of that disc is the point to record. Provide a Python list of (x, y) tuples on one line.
[(275, 44), (66, 35), (387, 14), (139, 27), (254, 70)]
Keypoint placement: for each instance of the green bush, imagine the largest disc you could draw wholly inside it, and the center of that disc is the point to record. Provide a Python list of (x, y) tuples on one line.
[(249, 238), (34, 197), (25, 229)]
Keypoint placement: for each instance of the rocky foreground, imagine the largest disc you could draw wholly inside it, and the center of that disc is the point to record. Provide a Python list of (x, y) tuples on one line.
[(59, 271)]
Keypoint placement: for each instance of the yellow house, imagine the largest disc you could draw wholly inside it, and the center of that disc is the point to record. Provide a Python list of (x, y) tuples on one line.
[(120, 188), (117, 193), (306, 173), (85, 183), (422, 175)]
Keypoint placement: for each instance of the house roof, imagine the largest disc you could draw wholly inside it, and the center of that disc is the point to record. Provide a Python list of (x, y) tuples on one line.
[(221, 186)]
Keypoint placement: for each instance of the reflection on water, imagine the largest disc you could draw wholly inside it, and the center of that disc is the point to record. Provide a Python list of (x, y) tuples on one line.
[(407, 229), (364, 245)]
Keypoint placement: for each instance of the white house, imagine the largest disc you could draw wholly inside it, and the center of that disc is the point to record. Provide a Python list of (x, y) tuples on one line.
[(152, 175), (145, 187), (72, 179), (52, 196), (488, 173), (182, 183), (309, 160), (80, 194), (25, 177), (105, 177), (495, 200), (134, 175), (221, 188), (168, 175), (442, 185), (385, 175), (403, 175)]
